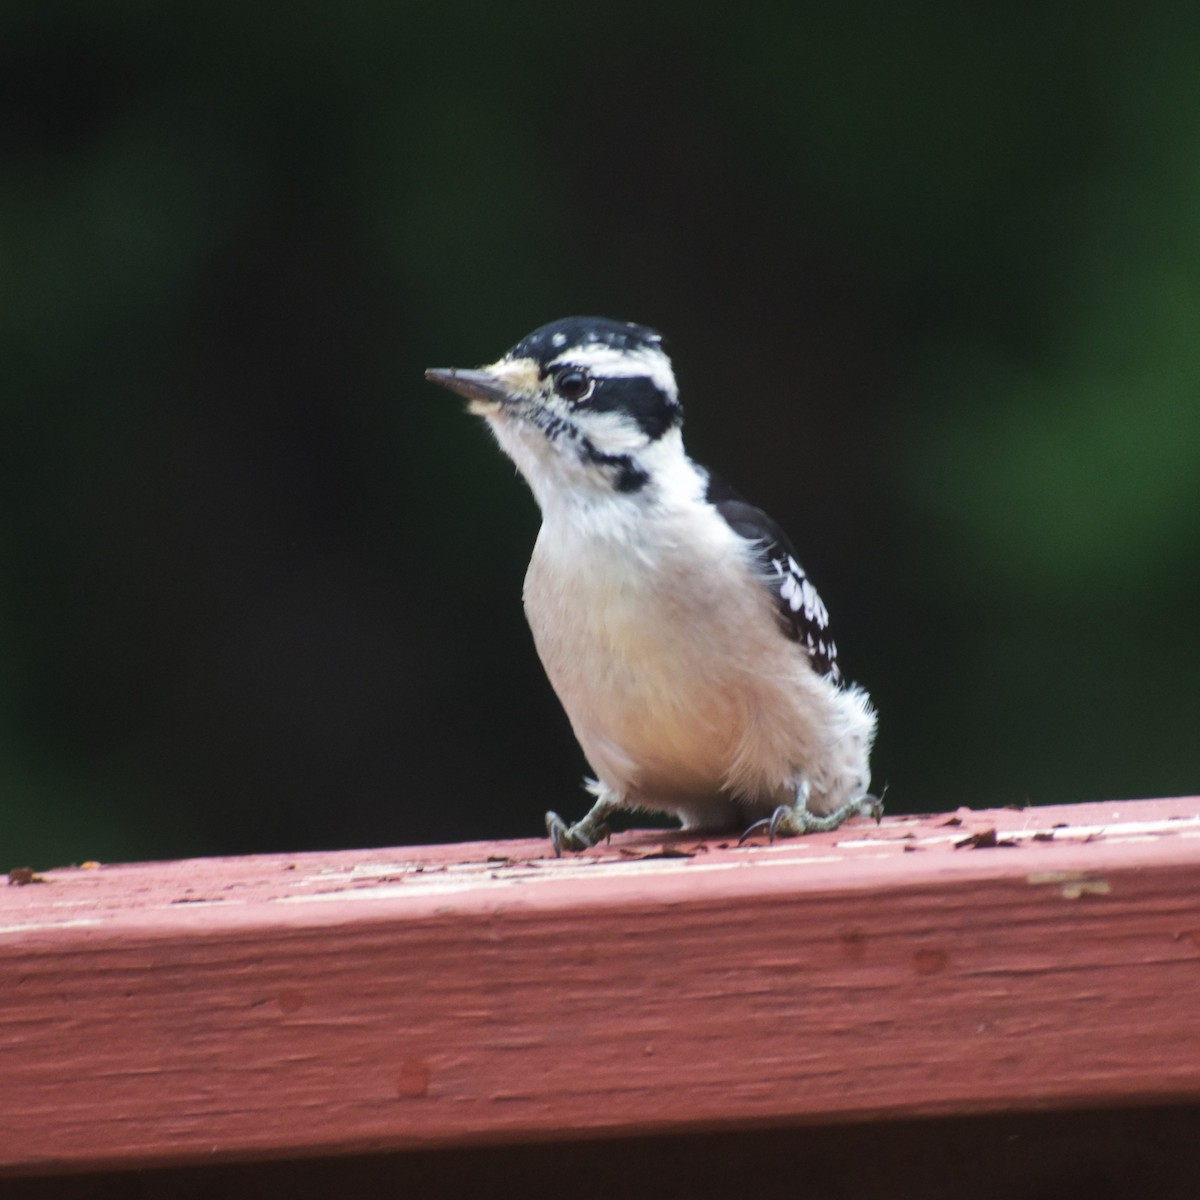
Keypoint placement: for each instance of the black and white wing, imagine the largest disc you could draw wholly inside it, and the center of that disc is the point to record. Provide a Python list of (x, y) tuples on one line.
[(802, 613)]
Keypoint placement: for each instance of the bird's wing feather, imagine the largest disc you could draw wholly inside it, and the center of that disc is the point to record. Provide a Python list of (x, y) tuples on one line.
[(802, 614)]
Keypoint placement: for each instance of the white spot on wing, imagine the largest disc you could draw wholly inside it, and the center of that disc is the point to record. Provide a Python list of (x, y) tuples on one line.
[(790, 591), (814, 609)]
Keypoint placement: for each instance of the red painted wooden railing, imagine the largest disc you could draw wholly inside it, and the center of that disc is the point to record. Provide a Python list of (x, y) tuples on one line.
[(286, 1005)]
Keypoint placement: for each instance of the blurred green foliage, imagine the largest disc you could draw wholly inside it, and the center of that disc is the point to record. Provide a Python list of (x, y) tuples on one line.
[(931, 279)]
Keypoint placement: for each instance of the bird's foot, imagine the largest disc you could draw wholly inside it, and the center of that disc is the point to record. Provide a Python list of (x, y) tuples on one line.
[(794, 820), (579, 836), (592, 829)]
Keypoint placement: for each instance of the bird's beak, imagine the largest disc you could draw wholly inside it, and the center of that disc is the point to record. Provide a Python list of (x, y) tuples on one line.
[(480, 387)]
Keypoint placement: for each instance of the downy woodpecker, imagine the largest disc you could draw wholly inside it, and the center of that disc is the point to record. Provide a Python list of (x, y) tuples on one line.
[(691, 652)]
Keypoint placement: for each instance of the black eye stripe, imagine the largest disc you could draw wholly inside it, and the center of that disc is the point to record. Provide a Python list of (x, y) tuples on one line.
[(638, 396)]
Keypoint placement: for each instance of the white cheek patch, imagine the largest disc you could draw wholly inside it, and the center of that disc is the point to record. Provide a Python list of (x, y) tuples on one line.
[(605, 362), (614, 433)]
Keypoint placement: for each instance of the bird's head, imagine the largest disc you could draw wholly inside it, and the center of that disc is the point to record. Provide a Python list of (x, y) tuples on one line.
[(583, 404)]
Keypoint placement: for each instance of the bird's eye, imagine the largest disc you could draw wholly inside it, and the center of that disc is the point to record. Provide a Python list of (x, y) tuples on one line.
[(571, 383)]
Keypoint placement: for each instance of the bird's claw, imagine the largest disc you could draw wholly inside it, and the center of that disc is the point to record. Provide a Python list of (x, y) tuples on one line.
[(751, 830), (571, 837), (796, 820), (770, 824), (871, 806)]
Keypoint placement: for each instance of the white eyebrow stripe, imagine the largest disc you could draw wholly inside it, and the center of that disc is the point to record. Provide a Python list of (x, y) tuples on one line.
[(606, 362)]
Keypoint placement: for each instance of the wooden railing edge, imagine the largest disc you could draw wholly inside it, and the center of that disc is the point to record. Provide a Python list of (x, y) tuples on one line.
[(287, 1005)]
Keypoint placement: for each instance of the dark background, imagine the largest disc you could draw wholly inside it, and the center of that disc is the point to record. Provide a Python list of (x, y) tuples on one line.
[(931, 280)]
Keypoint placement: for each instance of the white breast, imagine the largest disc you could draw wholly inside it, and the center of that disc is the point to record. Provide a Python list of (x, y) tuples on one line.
[(665, 653)]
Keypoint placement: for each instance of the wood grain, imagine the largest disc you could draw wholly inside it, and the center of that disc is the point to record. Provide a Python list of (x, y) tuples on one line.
[(258, 1007)]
